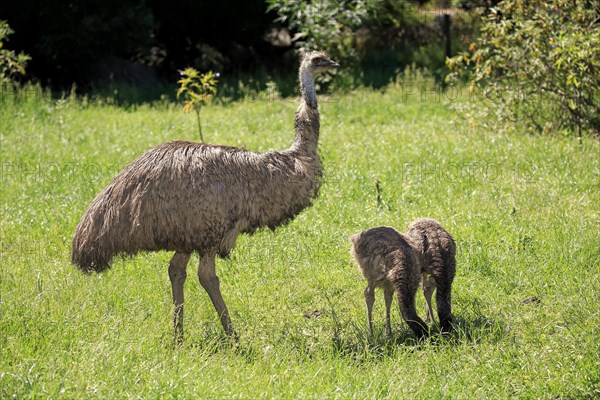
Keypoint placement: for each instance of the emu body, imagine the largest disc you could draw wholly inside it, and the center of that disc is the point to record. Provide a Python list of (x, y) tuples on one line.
[(436, 250), (386, 259), (189, 197)]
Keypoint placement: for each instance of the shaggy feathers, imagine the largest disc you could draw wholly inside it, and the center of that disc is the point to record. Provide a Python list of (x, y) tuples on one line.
[(188, 197)]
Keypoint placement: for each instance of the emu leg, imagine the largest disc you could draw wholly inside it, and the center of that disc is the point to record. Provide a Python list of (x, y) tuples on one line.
[(388, 293), (177, 274), (370, 300), (428, 288), (210, 282)]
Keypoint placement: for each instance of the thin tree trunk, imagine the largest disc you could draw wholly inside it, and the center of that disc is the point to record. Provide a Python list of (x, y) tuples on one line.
[(199, 125)]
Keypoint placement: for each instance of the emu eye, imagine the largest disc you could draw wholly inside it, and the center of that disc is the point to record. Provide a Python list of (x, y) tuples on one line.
[(318, 61)]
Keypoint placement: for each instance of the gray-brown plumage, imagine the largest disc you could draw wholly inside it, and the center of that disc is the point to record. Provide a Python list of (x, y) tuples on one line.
[(189, 197), (437, 253), (387, 260), (395, 262)]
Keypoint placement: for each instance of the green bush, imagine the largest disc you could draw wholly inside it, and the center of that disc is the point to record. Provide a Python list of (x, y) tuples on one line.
[(323, 25), (12, 65), (539, 64), (374, 40)]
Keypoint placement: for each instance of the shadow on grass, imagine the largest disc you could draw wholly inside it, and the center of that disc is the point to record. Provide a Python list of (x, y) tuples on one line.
[(478, 328), (208, 341), (355, 342), (328, 334)]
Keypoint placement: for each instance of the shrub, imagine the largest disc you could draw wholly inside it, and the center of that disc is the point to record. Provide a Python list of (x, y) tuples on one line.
[(322, 25), (198, 90), (12, 65), (538, 62)]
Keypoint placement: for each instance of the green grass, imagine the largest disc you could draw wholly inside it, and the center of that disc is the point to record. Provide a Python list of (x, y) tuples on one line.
[(524, 211)]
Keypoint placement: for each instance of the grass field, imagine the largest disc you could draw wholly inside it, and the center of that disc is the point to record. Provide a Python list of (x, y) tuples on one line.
[(524, 210)]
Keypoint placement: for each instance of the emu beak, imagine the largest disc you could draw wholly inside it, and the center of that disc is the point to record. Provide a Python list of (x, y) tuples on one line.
[(334, 64)]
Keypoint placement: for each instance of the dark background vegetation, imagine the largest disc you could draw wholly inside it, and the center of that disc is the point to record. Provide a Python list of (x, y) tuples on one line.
[(86, 41), (97, 43), (536, 63)]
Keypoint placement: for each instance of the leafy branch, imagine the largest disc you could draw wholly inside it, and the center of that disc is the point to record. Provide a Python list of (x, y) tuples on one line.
[(12, 65)]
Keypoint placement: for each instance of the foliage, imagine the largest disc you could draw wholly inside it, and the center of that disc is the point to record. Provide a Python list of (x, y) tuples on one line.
[(374, 40), (399, 34), (69, 39), (538, 62), (90, 43), (218, 35), (12, 65), (523, 211), (322, 24), (473, 4), (333, 25), (198, 90)]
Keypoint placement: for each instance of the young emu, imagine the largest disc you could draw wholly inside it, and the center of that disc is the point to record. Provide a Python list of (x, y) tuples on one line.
[(190, 197), (437, 255), (392, 261), (387, 260)]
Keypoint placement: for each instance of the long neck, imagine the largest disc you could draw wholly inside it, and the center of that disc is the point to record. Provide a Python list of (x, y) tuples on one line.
[(307, 87), (306, 123)]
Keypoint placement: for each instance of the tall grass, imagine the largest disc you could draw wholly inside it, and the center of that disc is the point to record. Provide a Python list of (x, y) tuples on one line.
[(523, 209)]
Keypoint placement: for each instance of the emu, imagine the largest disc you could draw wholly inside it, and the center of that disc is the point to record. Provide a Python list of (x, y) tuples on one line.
[(189, 197), (395, 262), (436, 250)]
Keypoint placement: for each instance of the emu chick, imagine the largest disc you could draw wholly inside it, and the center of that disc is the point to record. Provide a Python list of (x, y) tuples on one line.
[(436, 251), (386, 259)]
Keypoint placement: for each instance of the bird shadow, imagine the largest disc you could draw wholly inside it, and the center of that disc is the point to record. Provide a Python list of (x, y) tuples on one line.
[(350, 339), (214, 342), (356, 342)]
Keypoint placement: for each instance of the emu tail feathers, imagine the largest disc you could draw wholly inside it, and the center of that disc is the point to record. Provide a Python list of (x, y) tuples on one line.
[(96, 241), (88, 252)]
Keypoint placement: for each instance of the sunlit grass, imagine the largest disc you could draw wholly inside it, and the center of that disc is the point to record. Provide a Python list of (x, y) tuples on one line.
[(524, 211)]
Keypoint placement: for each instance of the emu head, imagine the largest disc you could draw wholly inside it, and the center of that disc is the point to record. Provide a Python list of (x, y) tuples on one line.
[(317, 62)]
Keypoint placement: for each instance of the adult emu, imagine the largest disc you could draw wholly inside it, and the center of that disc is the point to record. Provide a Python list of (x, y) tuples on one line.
[(189, 197)]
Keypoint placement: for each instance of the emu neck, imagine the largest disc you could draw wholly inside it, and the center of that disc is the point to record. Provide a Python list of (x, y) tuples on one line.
[(306, 123), (307, 87)]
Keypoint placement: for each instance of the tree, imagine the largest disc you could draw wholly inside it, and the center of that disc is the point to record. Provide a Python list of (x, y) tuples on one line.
[(198, 90)]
